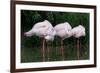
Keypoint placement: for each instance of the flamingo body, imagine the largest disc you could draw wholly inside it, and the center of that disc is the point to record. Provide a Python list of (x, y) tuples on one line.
[(63, 30), (42, 29), (78, 31)]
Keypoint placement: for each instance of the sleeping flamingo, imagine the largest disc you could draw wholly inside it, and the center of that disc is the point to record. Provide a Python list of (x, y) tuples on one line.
[(45, 31), (63, 31), (78, 32)]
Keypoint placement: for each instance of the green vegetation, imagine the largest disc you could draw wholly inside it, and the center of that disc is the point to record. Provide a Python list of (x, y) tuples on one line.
[(31, 47)]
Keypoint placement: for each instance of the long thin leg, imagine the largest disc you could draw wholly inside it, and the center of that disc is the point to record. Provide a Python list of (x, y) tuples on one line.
[(48, 50), (56, 50), (43, 49), (75, 47), (78, 49), (62, 49), (80, 46)]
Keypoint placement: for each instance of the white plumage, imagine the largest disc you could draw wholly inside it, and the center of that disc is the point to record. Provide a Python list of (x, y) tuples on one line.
[(42, 29), (63, 30), (78, 31)]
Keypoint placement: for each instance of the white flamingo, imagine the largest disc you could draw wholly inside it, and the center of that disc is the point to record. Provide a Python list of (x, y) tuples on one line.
[(63, 30), (78, 32), (45, 31)]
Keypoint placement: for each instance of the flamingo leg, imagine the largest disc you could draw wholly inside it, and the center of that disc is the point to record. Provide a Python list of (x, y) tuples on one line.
[(48, 49), (43, 49), (75, 46), (62, 49), (78, 49), (56, 48)]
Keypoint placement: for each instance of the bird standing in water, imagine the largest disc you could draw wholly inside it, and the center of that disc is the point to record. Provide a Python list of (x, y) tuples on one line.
[(78, 32), (63, 31), (45, 31)]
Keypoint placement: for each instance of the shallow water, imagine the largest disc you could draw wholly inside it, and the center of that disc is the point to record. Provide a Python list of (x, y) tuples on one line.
[(35, 54)]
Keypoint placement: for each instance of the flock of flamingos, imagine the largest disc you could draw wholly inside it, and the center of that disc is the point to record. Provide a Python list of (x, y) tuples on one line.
[(47, 32)]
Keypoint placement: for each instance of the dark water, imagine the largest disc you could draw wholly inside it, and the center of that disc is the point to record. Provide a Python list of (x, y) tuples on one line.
[(34, 54)]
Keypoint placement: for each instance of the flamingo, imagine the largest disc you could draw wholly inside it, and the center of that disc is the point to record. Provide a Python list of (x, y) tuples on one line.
[(78, 32), (63, 31), (45, 31)]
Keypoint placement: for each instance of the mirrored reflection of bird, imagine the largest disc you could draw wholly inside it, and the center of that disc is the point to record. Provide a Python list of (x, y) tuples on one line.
[(63, 31), (45, 31), (78, 32)]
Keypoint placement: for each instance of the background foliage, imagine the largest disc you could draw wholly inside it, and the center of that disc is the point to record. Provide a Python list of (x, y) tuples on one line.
[(31, 47)]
